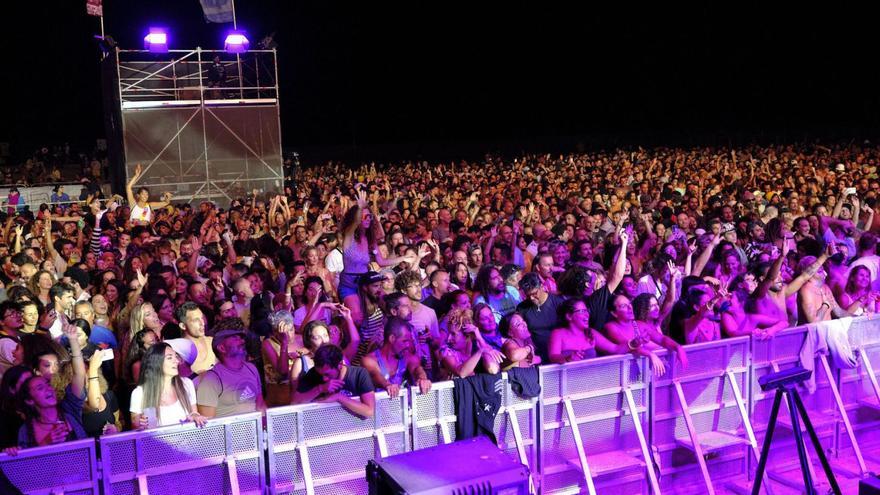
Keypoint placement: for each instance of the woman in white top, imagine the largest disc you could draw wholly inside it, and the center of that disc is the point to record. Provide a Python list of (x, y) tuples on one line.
[(163, 397), (141, 207)]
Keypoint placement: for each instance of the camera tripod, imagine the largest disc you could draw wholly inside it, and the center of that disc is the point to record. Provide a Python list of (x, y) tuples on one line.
[(785, 383)]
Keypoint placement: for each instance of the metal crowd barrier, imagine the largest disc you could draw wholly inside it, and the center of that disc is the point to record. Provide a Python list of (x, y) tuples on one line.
[(594, 414), (70, 467), (224, 457), (322, 448), (605, 425)]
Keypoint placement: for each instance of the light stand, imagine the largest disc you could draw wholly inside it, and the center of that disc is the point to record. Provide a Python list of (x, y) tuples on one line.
[(785, 383)]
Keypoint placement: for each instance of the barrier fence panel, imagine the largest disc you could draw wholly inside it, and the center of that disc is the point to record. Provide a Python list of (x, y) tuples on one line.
[(433, 416), (516, 426), (70, 468), (323, 448), (701, 413), (860, 386), (605, 425), (224, 457), (590, 437)]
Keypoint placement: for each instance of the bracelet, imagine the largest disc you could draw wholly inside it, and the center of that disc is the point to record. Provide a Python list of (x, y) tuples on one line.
[(93, 378)]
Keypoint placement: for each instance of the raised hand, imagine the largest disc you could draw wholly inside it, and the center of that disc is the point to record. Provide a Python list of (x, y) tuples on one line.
[(142, 279), (362, 198), (424, 251)]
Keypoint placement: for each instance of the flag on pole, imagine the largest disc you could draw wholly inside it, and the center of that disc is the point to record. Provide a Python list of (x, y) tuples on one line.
[(95, 7), (218, 10)]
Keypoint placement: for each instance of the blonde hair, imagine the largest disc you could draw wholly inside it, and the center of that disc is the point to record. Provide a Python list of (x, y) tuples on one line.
[(136, 319)]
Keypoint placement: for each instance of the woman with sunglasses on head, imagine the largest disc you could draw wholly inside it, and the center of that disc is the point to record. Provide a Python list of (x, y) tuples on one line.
[(162, 396)]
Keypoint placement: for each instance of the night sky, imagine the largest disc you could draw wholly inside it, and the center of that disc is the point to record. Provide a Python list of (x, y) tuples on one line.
[(462, 74)]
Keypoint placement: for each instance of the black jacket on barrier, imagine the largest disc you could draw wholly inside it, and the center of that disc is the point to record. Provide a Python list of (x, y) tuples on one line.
[(478, 399)]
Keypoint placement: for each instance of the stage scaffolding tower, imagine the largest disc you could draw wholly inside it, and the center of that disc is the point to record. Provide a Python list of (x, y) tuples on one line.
[(198, 134)]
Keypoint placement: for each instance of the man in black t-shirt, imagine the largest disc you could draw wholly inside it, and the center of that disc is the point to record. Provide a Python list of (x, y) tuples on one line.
[(439, 281), (332, 381), (539, 310), (599, 291)]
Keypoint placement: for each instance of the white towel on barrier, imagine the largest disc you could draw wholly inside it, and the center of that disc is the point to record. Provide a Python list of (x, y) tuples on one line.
[(829, 337), (814, 344), (837, 339)]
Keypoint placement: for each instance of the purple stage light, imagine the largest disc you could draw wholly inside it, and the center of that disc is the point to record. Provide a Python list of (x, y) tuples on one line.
[(157, 40), (236, 42)]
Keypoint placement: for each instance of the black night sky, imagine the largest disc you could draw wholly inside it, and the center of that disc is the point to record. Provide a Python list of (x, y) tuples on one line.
[(471, 74)]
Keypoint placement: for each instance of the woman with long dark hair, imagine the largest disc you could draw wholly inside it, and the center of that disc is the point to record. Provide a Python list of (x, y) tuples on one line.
[(162, 396), (359, 237)]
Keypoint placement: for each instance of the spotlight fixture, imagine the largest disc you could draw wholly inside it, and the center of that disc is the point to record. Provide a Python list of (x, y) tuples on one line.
[(157, 40), (236, 42)]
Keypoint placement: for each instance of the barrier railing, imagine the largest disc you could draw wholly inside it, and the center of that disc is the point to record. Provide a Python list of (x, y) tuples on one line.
[(605, 425), (322, 448), (70, 467), (224, 457), (593, 425)]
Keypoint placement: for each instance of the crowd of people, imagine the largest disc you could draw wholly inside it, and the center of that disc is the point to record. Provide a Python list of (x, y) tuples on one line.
[(52, 164), (133, 313)]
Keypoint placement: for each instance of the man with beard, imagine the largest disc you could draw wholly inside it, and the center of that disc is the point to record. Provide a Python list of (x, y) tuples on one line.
[(492, 290), (368, 314), (816, 303), (772, 297), (232, 386)]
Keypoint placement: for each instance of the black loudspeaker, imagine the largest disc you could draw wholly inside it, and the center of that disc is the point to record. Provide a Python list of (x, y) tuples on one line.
[(870, 486), (475, 466)]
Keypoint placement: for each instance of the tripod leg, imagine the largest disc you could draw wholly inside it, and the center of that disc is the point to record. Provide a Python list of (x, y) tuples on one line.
[(765, 450), (815, 439), (799, 441)]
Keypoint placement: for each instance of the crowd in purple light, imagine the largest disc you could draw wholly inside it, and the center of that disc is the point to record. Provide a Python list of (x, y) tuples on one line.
[(137, 312)]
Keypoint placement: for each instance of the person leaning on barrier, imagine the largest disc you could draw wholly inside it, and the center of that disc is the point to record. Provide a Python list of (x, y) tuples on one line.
[(577, 341), (232, 386), (395, 364), (332, 381), (163, 397)]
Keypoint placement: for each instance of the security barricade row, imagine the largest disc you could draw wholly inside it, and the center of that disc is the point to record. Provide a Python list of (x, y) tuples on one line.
[(224, 457), (606, 425)]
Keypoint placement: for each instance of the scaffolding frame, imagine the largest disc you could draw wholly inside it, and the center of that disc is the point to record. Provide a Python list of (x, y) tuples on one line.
[(198, 136)]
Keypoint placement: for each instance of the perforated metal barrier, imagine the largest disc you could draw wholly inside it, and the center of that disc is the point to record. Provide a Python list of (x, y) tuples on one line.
[(606, 425), (322, 448), (593, 426), (69, 468), (224, 457)]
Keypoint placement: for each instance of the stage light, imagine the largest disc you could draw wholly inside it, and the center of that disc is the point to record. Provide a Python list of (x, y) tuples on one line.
[(236, 42), (157, 40)]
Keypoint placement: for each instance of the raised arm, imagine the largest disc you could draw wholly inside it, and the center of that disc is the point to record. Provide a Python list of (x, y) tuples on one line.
[(78, 382), (772, 273), (620, 263), (801, 279), (129, 192), (704, 257)]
